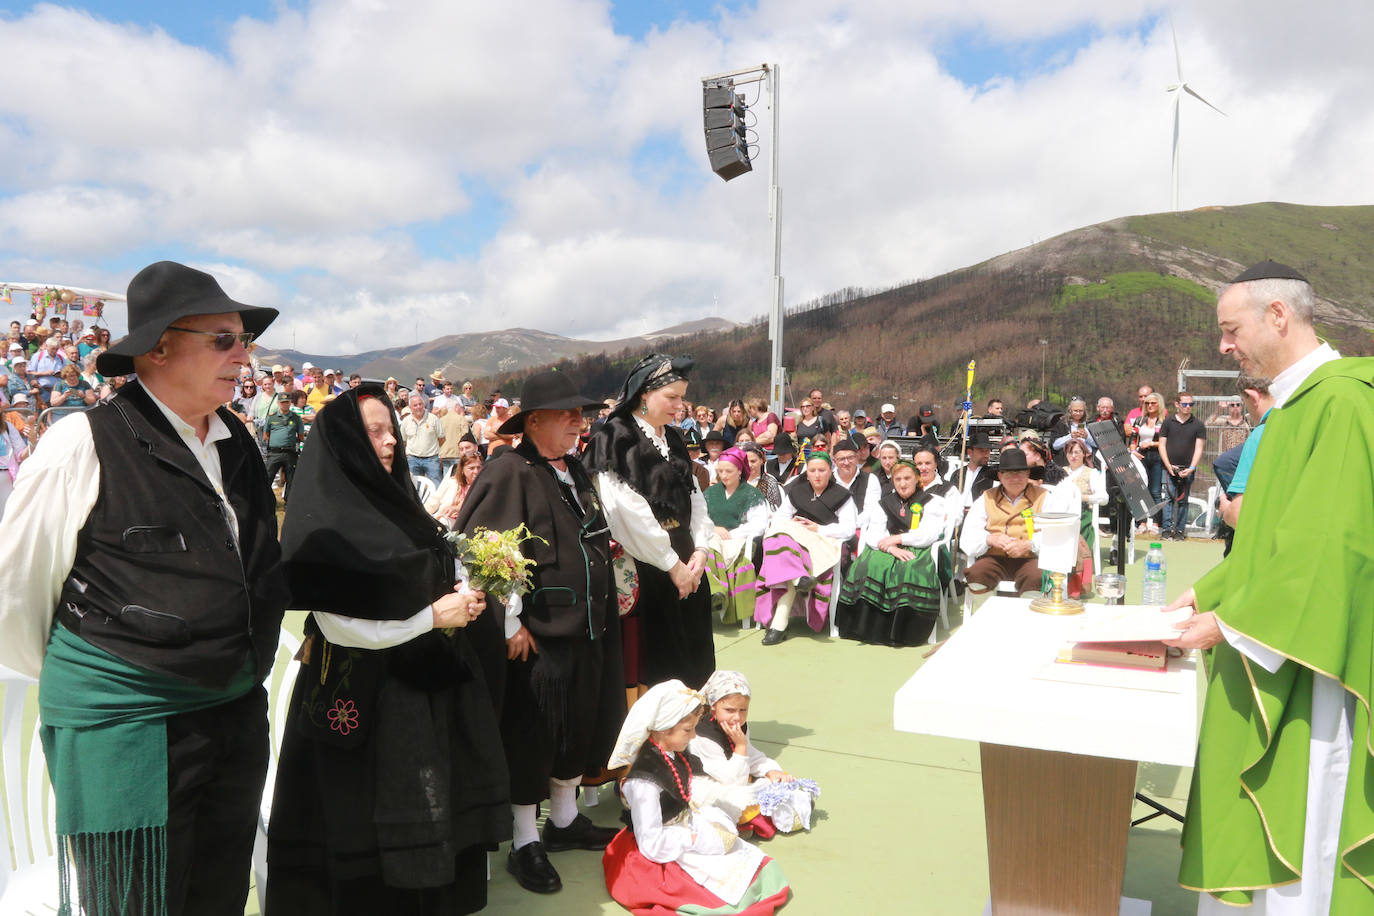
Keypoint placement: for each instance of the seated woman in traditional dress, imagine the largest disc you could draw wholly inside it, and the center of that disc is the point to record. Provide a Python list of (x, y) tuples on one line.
[(679, 855), (801, 550), (759, 478), (1091, 489), (892, 593), (888, 454), (750, 779), (392, 785), (740, 514)]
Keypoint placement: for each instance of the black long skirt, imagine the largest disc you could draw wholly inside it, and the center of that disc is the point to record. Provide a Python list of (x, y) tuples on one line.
[(665, 636), (330, 837)]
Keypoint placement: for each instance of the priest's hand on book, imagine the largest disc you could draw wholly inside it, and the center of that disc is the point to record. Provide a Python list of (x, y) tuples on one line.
[(1201, 631)]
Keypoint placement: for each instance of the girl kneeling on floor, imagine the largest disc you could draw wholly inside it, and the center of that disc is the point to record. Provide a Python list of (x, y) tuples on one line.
[(679, 853), (728, 757)]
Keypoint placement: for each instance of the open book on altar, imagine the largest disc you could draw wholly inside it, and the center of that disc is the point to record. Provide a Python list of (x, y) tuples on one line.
[(1128, 636), (1129, 623)]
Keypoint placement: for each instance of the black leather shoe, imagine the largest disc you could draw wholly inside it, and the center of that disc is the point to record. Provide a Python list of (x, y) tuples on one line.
[(580, 834), (773, 637), (532, 869)]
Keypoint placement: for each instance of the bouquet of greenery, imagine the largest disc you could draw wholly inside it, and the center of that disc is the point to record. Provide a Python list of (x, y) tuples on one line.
[(494, 562)]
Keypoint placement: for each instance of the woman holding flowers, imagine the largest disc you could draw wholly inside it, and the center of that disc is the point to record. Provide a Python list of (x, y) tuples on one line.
[(391, 784)]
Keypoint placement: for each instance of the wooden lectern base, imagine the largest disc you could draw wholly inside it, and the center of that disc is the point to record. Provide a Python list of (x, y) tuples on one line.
[(1057, 825)]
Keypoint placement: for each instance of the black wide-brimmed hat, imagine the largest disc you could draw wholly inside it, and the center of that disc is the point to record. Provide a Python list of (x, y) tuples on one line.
[(978, 437), (551, 390), (1012, 459), (161, 293)]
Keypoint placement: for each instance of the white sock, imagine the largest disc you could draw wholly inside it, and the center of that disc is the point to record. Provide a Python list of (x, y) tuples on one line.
[(563, 800), (526, 830), (783, 609)]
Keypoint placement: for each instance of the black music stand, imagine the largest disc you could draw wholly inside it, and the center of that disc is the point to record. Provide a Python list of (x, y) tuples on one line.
[(1132, 495)]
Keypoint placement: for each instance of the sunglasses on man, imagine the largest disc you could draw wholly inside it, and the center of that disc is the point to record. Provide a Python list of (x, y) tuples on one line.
[(222, 340)]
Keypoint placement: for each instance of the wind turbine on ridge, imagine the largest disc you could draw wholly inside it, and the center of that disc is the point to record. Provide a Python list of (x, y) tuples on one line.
[(1178, 89)]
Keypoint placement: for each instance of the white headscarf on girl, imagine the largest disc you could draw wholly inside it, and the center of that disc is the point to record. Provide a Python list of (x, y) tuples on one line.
[(722, 684), (664, 706)]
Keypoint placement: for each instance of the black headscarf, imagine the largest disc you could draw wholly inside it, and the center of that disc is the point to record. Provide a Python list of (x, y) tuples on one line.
[(652, 372), (357, 540)]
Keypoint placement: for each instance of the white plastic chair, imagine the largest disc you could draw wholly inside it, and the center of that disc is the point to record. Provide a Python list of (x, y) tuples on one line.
[(28, 880), (424, 486), (278, 704)]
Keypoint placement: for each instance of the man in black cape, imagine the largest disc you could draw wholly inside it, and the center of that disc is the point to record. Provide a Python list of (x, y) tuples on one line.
[(555, 667)]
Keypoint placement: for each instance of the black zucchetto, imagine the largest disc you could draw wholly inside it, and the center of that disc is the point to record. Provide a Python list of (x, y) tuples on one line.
[(1269, 270)]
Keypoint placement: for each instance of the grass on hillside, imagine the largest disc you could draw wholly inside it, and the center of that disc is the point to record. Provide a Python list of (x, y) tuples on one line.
[(1133, 283), (1330, 245)]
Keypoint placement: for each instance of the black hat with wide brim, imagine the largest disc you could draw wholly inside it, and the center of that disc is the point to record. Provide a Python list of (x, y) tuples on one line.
[(1012, 459), (162, 293), (551, 390)]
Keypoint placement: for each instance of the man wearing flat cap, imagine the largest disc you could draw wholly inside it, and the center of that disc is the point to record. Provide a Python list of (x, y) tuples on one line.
[(555, 670), (1280, 815), (143, 589)]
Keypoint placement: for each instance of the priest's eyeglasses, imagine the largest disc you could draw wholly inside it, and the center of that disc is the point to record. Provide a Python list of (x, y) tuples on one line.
[(223, 340)]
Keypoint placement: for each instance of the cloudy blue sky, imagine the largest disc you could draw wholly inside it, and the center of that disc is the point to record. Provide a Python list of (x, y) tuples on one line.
[(382, 171)]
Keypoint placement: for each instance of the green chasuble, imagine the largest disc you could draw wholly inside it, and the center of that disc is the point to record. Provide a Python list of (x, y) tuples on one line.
[(1299, 580), (728, 512)]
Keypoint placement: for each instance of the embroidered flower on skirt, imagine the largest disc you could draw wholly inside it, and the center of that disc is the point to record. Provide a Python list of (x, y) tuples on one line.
[(343, 718)]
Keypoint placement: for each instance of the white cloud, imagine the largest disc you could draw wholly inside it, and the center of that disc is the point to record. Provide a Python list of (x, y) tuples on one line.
[(316, 163)]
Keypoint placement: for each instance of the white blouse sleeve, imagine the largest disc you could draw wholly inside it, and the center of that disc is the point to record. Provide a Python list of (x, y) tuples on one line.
[(53, 496), (874, 529), (632, 522), (844, 526), (754, 524), (358, 633), (660, 843), (931, 527), (732, 771), (702, 529), (1097, 491), (973, 540), (760, 764)]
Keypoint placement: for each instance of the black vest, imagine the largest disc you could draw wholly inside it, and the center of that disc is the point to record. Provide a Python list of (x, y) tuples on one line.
[(858, 489), (157, 580), (649, 764)]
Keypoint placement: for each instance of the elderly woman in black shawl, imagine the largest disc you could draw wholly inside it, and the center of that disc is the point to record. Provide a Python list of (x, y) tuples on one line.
[(392, 783), (656, 511)]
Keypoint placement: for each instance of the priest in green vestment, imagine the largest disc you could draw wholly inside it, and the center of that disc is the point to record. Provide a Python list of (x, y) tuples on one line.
[(1281, 810)]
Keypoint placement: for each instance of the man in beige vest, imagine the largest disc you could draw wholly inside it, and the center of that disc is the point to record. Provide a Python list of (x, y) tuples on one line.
[(999, 536)]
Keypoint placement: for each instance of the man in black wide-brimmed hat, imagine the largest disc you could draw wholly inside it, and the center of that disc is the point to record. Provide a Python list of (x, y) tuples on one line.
[(143, 583), (555, 666)]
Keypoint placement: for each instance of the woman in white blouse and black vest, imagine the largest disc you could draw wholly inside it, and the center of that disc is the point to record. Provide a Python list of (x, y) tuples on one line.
[(656, 511)]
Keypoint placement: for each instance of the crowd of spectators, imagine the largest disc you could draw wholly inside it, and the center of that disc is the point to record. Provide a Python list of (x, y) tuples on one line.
[(449, 430)]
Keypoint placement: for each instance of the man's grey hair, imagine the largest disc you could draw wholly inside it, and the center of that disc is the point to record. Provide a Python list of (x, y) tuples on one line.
[(1258, 382), (1297, 294)]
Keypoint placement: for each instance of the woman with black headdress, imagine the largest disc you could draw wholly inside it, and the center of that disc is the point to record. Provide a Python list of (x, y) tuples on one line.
[(392, 783), (656, 511)]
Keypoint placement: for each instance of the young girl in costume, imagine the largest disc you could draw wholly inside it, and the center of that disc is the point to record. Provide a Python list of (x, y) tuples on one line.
[(751, 781), (679, 855)]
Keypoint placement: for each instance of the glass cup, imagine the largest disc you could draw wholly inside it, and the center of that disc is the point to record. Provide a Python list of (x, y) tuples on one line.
[(1111, 586)]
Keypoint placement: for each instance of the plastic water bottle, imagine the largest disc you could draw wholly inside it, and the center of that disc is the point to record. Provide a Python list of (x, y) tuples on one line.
[(1152, 588)]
